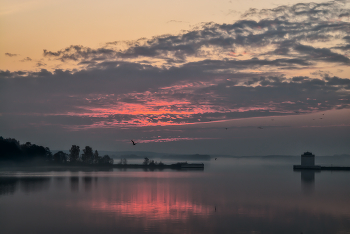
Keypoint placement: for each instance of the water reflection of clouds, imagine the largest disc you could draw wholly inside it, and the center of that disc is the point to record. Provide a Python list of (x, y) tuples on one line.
[(155, 209), (153, 201), (247, 197)]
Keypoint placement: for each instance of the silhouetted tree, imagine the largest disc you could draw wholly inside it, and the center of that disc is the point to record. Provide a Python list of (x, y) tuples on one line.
[(106, 160), (146, 161), (9, 149), (95, 157), (32, 151), (48, 154), (74, 153), (87, 155), (123, 161), (60, 157)]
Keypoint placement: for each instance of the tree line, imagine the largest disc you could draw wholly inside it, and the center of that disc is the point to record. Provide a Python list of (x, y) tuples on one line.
[(12, 150)]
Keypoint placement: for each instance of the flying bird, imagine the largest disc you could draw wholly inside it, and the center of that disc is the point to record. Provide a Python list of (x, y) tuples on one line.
[(216, 158), (260, 127), (226, 128), (133, 143)]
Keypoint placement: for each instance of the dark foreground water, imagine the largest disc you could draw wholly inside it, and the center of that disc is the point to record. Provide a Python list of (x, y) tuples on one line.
[(230, 196)]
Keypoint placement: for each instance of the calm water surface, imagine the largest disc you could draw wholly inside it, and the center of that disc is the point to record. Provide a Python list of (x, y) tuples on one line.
[(230, 196)]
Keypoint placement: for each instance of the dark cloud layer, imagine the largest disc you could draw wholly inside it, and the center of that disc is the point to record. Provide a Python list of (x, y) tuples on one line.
[(230, 96)]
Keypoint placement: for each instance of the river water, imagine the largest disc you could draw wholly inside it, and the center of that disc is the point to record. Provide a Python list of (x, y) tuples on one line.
[(231, 195)]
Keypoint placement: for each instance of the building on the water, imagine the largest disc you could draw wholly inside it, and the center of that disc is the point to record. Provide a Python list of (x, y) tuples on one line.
[(307, 159)]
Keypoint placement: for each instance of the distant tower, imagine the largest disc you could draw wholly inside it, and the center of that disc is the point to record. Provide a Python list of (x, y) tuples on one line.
[(308, 159)]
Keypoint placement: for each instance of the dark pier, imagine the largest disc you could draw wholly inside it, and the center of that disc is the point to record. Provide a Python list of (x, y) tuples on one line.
[(308, 163), (319, 168)]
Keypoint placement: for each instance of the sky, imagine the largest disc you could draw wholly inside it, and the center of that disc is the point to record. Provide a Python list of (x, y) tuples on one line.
[(210, 77)]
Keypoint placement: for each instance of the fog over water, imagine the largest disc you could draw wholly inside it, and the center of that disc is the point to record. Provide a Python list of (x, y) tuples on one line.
[(231, 195)]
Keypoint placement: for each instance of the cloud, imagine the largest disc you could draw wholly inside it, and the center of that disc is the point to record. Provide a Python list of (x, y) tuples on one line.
[(285, 32), (76, 52), (322, 54), (11, 55), (40, 64), (214, 72), (344, 15), (27, 59), (157, 140), (153, 96), (176, 21)]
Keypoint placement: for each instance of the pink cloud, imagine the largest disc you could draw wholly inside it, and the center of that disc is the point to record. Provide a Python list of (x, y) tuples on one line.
[(173, 139)]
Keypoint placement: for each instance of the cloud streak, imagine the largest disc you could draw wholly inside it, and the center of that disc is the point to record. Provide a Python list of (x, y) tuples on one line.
[(11, 55), (170, 139)]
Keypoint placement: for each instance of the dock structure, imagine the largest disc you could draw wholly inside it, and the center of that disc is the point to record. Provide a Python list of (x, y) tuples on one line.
[(308, 163), (176, 166)]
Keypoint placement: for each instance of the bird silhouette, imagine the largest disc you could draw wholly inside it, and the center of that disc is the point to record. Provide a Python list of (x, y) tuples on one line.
[(133, 143), (226, 128), (320, 118), (260, 127), (216, 158)]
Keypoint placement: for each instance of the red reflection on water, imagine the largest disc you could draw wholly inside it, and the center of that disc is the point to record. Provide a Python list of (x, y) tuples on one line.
[(158, 201)]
